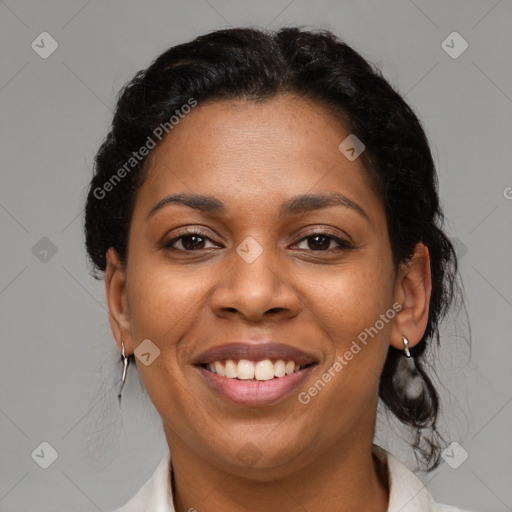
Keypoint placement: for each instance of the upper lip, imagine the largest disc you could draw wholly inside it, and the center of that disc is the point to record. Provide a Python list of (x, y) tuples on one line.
[(255, 351)]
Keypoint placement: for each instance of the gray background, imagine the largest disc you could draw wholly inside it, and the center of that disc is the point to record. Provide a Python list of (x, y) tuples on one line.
[(59, 370)]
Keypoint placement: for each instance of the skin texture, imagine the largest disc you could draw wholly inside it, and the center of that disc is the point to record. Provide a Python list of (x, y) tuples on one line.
[(313, 457)]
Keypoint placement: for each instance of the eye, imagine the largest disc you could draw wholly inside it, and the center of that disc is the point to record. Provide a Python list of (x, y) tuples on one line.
[(193, 241), (190, 241), (322, 242)]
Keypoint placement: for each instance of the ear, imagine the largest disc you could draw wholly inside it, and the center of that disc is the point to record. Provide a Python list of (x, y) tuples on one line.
[(118, 313), (412, 289)]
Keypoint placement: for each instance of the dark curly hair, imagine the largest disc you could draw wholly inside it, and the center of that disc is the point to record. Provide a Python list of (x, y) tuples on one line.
[(256, 65)]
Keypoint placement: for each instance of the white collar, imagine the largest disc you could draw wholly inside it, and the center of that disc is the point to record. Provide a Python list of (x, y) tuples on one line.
[(407, 492)]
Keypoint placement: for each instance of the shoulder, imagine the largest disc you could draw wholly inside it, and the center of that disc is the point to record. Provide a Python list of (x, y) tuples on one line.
[(407, 493), (155, 494)]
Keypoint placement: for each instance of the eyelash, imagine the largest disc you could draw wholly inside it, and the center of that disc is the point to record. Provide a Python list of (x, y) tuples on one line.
[(343, 244)]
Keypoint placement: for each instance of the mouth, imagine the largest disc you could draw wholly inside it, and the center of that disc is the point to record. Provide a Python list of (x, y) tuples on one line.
[(254, 392), (254, 374)]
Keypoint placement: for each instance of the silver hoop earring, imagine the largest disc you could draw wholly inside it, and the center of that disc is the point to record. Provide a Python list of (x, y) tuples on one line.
[(407, 352), (126, 362)]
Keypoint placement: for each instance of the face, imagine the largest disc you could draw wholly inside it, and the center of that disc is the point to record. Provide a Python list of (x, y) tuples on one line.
[(259, 271)]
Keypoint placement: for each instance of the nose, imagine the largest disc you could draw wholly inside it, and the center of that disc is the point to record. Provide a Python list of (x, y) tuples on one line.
[(256, 290)]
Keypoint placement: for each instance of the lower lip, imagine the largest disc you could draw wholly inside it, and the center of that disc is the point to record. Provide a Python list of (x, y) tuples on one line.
[(256, 393)]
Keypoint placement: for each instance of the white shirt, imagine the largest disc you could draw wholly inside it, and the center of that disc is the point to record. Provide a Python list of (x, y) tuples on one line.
[(406, 494)]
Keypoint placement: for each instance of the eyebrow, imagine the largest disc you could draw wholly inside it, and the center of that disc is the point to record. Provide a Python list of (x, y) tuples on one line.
[(294, 206)]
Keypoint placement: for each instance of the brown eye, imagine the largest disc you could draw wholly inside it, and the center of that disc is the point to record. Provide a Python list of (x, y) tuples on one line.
[(322, 242), (191, 241)]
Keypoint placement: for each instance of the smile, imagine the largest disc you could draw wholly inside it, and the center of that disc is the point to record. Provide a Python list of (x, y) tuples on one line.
[(254, 383)]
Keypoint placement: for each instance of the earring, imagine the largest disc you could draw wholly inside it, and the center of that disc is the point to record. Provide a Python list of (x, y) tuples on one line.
[(126, 362), (407, 381), (407, 352)]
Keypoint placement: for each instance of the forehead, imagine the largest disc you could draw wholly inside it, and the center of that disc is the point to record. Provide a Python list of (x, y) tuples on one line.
[(233, 131), (284, 146)]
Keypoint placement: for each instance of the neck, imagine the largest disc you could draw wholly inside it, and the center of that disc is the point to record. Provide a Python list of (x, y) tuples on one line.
[(346, 477)]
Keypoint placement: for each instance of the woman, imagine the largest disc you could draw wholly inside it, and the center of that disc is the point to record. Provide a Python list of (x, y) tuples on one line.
[(265, 212)]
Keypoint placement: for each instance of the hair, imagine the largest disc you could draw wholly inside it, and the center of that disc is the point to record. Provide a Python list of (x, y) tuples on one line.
[(256, 65)]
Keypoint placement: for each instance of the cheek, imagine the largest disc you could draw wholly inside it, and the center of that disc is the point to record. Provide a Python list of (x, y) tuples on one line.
[(165, 307), (164, 302), (348, 309), (352, 299)]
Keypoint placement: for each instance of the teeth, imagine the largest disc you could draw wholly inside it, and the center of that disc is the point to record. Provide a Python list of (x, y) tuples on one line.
[(264, 370), (231, 369), (249, 370), (290, 367), (219, 369), (280, 368), (245, 369)]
